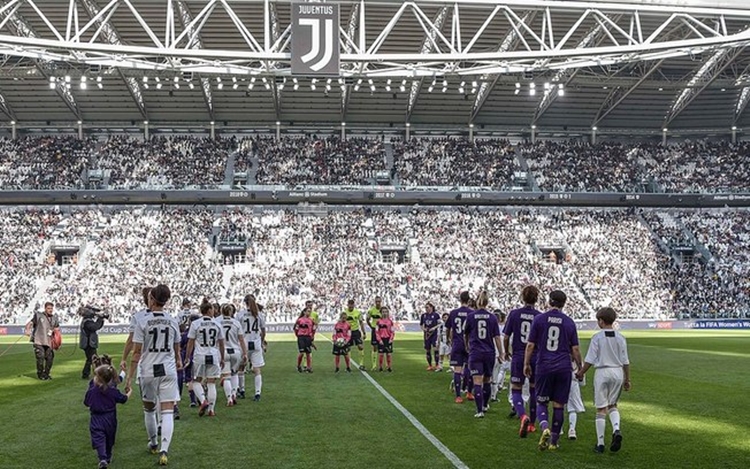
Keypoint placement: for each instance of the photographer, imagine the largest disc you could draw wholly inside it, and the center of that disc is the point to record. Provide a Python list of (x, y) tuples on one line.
[(92, 321)]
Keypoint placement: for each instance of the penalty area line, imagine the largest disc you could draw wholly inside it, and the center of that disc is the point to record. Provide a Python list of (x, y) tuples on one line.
[(450, 455)]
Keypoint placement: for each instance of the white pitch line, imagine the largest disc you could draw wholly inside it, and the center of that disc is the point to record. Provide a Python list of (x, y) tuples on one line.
[(450, 455)]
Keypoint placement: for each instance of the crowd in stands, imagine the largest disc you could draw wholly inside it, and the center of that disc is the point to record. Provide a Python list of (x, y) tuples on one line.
[(165, 162), (667, 228), (317, 160), (22, 237), (454, 162), (600, 257), (44, 162)]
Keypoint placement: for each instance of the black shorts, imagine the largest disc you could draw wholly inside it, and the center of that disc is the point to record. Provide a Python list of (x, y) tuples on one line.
[(356, 338), (304, 344), (386, 346), (340, 350), (373, 338)]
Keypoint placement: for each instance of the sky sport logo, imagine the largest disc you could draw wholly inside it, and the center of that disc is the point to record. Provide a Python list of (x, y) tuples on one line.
[(315, 41)]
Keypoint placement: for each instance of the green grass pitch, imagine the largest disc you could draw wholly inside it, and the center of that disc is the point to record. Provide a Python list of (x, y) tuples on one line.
[(688, 409)]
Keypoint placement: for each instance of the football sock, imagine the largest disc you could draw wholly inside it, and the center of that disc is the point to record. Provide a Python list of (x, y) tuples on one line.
[(533, 409), (362, 357), (388, 359), (200, 394), (337, 360), (308, 360), (429, 358), (478, 398), (235, 379), (347, 360), (258, 383), (457, 383), (380, 361), (573, 419), (149, 417), (241, 380), (467, 379), (493, 390), (167, 429), (211, 395), (228, 388), (373, 358), (437, 359), (541, 412), (518, 402), (486, 391), (299, 360), (614, 418), (601, 426), (192, 395), (558, 416)]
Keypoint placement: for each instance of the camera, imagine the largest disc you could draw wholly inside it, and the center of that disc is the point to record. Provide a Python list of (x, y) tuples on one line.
[(90, 312)]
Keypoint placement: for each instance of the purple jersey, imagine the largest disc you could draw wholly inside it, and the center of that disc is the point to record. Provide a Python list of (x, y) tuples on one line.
[(518, 327), (554, 334), (429, 320), (482, 328), (456, 323)]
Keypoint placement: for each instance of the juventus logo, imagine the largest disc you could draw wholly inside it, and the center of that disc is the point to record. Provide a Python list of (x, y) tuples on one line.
[(315, 44), (314, 25)]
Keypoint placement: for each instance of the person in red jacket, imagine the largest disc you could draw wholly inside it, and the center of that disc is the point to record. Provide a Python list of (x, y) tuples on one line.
[(385, 334), (304, 329)]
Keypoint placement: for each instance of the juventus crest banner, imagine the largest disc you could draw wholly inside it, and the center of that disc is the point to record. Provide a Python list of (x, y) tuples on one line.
[(315, 39)]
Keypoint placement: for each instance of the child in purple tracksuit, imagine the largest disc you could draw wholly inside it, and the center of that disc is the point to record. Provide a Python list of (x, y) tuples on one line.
[(186, 374), (102, 398)]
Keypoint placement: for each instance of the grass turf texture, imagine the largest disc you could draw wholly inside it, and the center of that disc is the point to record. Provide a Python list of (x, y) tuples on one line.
[(686, 411)]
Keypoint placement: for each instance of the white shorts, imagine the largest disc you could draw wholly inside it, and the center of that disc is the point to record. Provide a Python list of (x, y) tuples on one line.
[(162, 389), (231, 363), (575, 403), (256, 359), (201, 370), (445, 349), (607, 386)]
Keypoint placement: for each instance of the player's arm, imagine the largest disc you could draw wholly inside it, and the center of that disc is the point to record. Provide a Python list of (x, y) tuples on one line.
[(626, 372), (576, 352), (133, 365), (449, 331), (362, 328), (126, 352), (30, 326), (243, 346), (189, 352), (177, 357), (499, 346), (222, 349), (530, 346), (506, 347)]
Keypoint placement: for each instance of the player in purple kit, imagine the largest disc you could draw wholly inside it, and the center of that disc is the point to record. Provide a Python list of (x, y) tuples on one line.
[(517, 328), (555, 337), (459, 355), (429, 322), (482, 336)]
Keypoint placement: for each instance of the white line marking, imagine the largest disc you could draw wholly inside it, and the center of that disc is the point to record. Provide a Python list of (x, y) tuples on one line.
[(450, 455)]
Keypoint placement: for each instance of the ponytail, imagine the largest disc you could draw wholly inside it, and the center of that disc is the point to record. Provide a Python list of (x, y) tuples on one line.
[(483, 299), (252, 306)]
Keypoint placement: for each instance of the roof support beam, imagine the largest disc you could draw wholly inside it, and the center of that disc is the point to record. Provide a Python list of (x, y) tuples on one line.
[(195, 42), (351, 30), (509, 43), (23, 29), (701, 80), (620, 94), (272, 24), (594, 38), (427, 45), (742, 100), (113, 37)]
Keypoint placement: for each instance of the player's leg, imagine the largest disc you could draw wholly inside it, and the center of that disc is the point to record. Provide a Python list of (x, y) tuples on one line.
[(348, 361), (616, 379), (560, 397), (575, 405), (494, 381), (476, 368), (457, 365), (168, 397), (200, 393), (226, 383), (601, 427), (428, 352), (544, 391), (517, 380), (39, 357), (531, 383), (211, 393), (98, 438), (374, 358), (49, 358)]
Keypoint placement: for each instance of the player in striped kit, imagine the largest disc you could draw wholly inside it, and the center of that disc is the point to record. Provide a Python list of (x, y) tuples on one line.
[(156, 357), (253, 324), (444, 347), (206, 344), (235, 352)]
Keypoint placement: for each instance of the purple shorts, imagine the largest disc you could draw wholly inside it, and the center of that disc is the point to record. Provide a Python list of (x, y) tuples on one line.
[(553, 387), (430, 340), (481, 365), (459, 357), (516, 371)]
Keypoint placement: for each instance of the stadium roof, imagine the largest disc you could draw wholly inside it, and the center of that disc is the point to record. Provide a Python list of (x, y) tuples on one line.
[(619, 65)]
